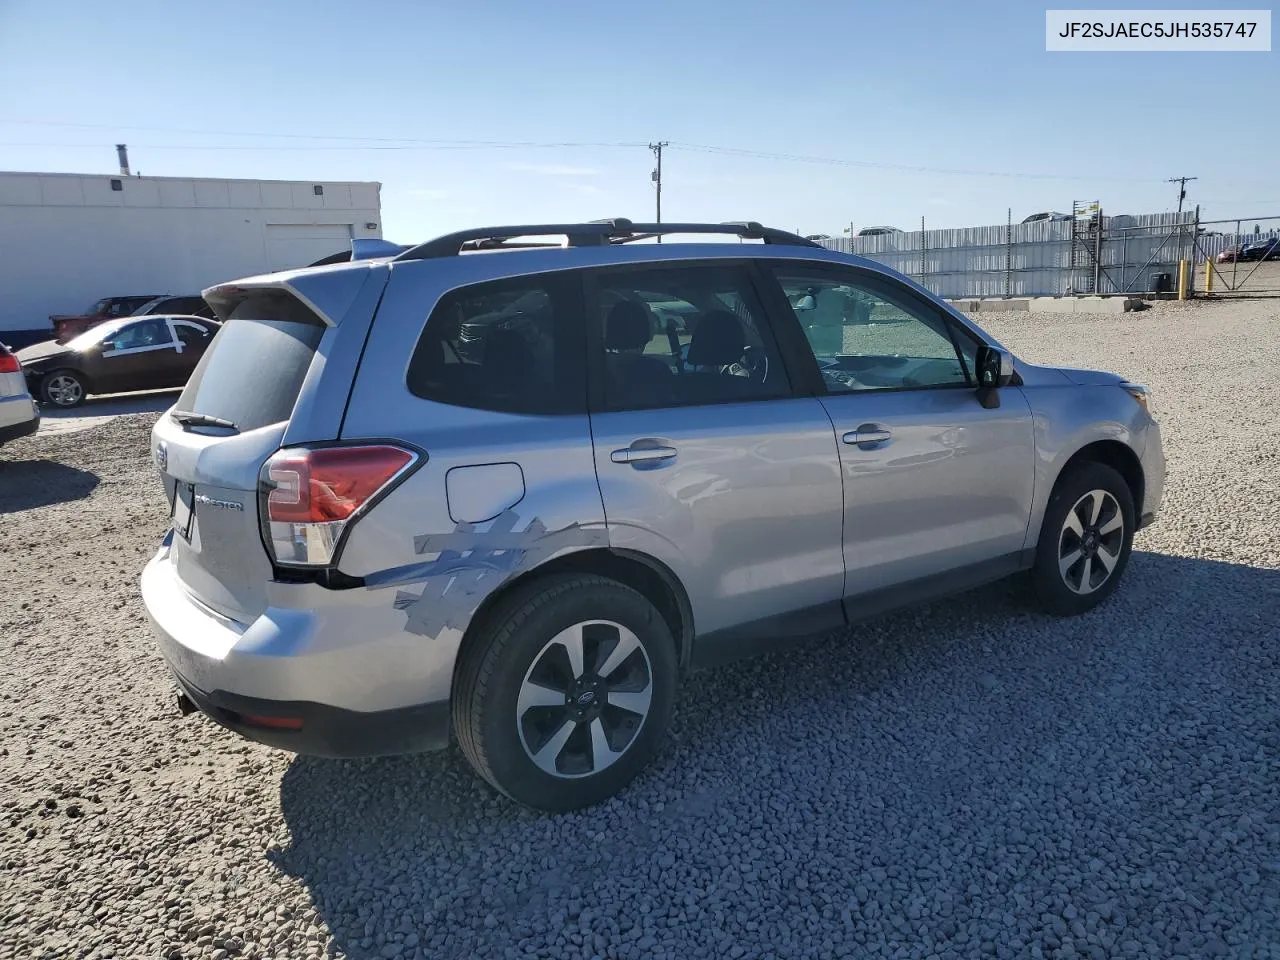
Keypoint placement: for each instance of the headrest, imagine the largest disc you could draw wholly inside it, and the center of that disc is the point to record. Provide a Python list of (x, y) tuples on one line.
[(627, 326), (717, 341)]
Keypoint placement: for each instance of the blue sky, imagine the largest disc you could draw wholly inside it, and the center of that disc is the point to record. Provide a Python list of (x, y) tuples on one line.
[(210, 90)]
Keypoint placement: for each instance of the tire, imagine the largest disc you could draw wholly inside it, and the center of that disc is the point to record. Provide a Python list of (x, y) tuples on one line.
[(1069, 587), (63, 389), (587, 744)]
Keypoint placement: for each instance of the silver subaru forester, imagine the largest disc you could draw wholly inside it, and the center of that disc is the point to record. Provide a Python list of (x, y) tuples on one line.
[(511, 490)]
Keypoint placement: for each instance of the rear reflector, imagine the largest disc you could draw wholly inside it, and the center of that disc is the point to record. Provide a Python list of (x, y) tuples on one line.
[(8, 362), (311, 494), (271, 723)]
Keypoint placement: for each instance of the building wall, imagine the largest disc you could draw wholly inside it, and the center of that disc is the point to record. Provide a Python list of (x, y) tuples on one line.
[(67, 240)]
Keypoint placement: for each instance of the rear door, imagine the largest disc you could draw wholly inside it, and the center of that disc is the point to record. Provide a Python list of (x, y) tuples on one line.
[(706, 459), (279, 370), (192, 340), (934, 483)]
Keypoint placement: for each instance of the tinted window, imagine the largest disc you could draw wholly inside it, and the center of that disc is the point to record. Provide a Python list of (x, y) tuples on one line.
[(252, 372), (506, 345), (676, 336), (145, 333), (868, 335)]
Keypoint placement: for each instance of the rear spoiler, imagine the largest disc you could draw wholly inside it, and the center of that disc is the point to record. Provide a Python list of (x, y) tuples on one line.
[(326, 293), (363, 248)]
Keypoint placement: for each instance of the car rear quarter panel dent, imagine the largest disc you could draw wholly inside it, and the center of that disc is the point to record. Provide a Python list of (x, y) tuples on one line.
[(1066, 419)]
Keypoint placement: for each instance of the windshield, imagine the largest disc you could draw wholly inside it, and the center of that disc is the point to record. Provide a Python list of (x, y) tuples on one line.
[(91, 338)]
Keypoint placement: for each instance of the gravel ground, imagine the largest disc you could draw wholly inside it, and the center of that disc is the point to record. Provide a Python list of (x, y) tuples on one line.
[(964, 780)]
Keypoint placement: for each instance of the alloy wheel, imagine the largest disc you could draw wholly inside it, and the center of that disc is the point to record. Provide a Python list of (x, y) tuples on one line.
[(584, 699), (1091, 541), (64, 391)]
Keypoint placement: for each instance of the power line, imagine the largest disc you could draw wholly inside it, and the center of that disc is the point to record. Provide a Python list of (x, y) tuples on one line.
[(408, 141), (269, 148), (877, 165), (353, 143)]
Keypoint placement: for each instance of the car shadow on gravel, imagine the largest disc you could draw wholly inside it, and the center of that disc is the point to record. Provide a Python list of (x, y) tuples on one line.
[(414, 856), (28, 484)]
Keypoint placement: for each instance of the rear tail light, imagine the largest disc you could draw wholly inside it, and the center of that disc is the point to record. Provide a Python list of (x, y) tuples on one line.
[(8, 362), (310, 496)]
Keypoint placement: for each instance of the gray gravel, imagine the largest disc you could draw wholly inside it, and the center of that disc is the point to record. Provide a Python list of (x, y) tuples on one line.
[(967, 780)]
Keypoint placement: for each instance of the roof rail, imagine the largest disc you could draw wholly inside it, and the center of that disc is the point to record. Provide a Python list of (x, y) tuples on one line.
[(597, 233)]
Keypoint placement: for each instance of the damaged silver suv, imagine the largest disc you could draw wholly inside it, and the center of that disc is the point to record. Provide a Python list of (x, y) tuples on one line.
[(511, 490)]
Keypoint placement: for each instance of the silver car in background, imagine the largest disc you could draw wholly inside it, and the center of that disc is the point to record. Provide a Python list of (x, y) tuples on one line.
[(484, 489), (19, 415)]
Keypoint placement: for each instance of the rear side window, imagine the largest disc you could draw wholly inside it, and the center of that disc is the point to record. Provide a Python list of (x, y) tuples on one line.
[(507, 345), (252, 372)]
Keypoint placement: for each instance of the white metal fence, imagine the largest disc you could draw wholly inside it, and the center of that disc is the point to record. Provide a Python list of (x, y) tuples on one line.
[(1048, 258)]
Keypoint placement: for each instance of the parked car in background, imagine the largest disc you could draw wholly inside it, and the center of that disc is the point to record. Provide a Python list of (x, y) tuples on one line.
[(1268, 249), (187, 305), (1230, 255), (1047, 215), (382, 538), (877, 231), (130, 353), (19, 415), (66, 326)]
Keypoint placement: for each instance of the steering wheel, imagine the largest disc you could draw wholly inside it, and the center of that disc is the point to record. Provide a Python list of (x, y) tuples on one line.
[(755, 364)]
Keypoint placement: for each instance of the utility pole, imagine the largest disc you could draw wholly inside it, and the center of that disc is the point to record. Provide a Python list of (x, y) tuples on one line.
[(656, 176), (1182, 191)]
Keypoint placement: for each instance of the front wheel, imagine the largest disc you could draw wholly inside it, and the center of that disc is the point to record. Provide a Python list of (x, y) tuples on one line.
[(568, 695), (1085, 540), (63, 388)]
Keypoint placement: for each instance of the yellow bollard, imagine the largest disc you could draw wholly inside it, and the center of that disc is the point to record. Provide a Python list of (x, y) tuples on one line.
[(1208, 276), (1182, 279)]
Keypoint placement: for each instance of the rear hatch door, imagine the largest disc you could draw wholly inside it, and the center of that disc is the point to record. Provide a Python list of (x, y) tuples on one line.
[(278, 372)]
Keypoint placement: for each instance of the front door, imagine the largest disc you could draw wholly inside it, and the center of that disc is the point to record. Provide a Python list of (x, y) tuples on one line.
[(706, 459), (138, 356), (935, 485)]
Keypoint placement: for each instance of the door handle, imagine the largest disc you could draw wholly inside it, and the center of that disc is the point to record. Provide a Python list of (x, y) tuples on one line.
[(868, 433), (642, 454)]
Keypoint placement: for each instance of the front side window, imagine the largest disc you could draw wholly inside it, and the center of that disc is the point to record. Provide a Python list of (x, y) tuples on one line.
[(503, 346), (867, 335), (147, 333), (674, 336)]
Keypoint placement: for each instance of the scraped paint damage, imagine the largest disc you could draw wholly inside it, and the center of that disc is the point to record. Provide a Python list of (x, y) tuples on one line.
[(470, 564)]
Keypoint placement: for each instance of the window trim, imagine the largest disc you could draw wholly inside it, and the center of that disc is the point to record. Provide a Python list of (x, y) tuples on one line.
[(594, 339), (869, 280)]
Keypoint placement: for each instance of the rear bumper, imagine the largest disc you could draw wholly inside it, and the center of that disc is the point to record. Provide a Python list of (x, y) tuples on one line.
[(19, 417), (326, 731), (338, 661)]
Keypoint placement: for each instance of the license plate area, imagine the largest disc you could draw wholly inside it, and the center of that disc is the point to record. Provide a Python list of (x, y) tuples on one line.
[(183, 500)]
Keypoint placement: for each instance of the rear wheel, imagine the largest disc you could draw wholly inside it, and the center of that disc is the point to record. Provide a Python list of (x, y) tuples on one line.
[(568, 695), (63, 388), (1085, 540)]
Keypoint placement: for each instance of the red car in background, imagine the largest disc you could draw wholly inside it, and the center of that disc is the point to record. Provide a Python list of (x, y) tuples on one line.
[(68, 326)]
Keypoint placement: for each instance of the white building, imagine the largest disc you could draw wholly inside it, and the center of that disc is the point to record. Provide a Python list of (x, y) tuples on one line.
[(67, 240)]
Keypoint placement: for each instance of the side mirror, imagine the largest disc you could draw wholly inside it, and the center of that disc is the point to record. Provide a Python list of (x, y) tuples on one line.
[(994, 370), (805, 304)]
